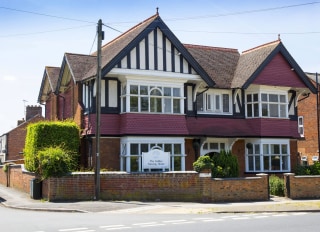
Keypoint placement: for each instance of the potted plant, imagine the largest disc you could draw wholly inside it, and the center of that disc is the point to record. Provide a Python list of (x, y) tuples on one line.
[(203, 164)]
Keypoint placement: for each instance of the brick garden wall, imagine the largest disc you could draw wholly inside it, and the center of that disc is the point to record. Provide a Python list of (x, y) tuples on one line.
[(302, 187)]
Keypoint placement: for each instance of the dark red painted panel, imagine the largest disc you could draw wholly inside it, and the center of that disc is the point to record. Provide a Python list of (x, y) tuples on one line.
[(278, 73)]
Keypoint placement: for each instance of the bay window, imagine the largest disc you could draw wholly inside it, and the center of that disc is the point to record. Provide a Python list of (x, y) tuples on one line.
[(269, 105), (268, 156)]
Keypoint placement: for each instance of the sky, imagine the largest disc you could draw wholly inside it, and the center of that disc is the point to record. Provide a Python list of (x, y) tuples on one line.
[(37, 33)]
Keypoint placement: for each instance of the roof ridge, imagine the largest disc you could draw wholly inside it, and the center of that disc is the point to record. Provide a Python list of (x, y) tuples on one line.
[(262, 45), (78, 54), (210, 47), (129, 30)]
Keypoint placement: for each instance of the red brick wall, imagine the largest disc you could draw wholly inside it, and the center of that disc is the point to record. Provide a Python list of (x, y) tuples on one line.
[(302, 187), (16, 140), (238, 149), (308, 146)]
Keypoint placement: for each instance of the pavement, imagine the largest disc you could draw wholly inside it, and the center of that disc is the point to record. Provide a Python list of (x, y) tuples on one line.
[(12, 198)]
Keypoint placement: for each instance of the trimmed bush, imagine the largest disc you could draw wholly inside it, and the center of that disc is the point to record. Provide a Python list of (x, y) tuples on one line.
[(276, 186), (225, 165), (313, 169), (50, 134), (203, 163)]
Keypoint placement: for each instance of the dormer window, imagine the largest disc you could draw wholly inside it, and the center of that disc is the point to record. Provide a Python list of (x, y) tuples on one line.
[(214, 102)]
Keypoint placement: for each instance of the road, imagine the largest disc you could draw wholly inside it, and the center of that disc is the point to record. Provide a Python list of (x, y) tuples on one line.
[(38, 221)]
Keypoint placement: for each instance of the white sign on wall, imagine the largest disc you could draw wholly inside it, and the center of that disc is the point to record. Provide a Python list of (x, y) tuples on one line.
[(156, 159)]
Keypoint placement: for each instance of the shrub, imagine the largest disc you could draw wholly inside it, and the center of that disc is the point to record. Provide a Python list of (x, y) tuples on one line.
[(48, 134), (55, 162), (202, 163), (313, 169), (276, 185), (225, 165)]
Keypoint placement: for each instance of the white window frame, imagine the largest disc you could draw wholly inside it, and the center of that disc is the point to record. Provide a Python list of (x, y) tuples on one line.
[(126, 156), (257, 105), (261, 152), (213, 102), (214, 145), (173, 99), (301, 126)]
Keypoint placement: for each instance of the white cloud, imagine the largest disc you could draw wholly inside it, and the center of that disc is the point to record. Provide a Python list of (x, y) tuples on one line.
[(9, 78)]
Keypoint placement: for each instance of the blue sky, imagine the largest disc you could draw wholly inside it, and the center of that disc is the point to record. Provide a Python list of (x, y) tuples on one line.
[(36, 33)]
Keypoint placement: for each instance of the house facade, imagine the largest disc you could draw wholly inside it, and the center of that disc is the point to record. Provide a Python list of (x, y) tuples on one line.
[(164, 103)]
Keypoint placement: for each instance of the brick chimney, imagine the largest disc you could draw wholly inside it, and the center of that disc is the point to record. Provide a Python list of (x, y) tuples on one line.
[(32, 111)]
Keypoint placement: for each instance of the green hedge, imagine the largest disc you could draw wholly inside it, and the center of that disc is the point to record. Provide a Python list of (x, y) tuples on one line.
[(46, 134), (276, 185)]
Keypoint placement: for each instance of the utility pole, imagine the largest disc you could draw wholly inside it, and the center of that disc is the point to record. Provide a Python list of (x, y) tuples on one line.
[(98, 112)]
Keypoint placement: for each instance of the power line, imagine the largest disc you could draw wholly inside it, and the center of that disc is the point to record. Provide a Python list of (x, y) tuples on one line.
[(43, 32), (46, 15)]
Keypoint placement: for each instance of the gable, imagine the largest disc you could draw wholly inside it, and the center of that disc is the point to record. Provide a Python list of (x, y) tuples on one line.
[(278, 72), (156, 52), (153, 47)]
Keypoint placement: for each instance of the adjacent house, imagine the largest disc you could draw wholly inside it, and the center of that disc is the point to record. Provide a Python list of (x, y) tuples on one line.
[(308, 124), (164, 103), (12, 143)]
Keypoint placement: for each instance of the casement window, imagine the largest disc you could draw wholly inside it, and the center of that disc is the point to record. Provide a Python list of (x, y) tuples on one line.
[(270, 105), (132, 150), (152, 99), (214, 145), (268, 156), (214, 102), (300, 126)]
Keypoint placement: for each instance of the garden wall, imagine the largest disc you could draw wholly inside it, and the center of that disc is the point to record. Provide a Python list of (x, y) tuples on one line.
[(167, 186), (302, 187)]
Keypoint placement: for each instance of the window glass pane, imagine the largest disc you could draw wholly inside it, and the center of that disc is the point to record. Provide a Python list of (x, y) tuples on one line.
[(250, 163), (134, 149), (273, 97), (124, 104), (255, 97), (257, 163), (250, 150), (177, 149), (214, 146), (124, 90), (144, 147), (257, 149), (144, 104), (265, 148), (264, 108), (133, 89), (168, 148), (249, 98), (134, 162), (217, 98), (155, 92), (167, 105), (225, 102), (209, 102), (177, 163), (205, 146), (283, 111), (200, 102), (275, 163), (133, 104), (283, 98), (274, 111), (176, 105), (266, 164), (176, 92), (284, 149), (275, 149), (167, 91), (155, 105), (256, 110), (144, 90), (249, 110), (264, 97), (285, 163)]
